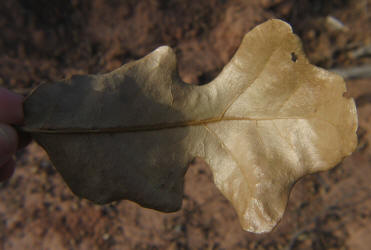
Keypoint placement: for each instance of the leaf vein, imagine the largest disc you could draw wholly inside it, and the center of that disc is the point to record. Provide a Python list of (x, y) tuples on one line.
[(248, 86)]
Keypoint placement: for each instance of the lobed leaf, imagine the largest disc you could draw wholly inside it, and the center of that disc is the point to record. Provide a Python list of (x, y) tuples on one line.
[(268, 119)]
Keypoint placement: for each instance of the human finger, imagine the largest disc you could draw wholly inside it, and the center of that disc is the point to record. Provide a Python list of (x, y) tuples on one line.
[(7, 170), (11, 107), (8, 140)]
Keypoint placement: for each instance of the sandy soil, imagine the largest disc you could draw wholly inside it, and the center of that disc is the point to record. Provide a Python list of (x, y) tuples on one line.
[(44, 40)]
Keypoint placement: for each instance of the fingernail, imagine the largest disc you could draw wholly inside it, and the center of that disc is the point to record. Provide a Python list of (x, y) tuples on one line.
[(4, 135)]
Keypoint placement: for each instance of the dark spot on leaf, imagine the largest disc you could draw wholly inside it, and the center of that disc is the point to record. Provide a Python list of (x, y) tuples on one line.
[(294, 57)]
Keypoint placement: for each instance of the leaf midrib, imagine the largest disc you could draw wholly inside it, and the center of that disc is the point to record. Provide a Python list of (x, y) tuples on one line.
[(143, 128)]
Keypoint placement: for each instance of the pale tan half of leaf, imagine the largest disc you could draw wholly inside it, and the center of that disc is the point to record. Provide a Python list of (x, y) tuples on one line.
[(268, 119)]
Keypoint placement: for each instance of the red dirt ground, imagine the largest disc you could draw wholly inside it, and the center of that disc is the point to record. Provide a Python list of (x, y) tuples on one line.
[(44, 40)]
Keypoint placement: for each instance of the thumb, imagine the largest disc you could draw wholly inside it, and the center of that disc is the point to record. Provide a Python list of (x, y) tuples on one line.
[(8, 141)]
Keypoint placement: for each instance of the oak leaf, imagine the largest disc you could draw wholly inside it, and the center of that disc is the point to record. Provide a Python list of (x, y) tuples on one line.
[(268, 119)]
